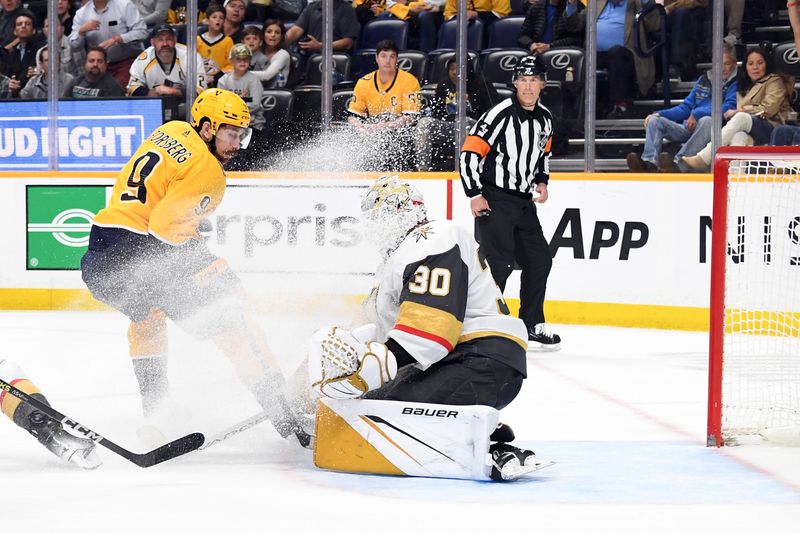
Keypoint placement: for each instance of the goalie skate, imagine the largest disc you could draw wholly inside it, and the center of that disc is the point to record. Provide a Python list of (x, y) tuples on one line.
[(510, 463)]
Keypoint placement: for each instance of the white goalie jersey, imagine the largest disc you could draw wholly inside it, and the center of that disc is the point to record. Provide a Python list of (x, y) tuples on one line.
[(435, 291), (147, 72)]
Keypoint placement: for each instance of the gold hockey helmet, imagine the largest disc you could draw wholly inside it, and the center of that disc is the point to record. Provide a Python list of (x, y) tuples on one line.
[(221, 107)]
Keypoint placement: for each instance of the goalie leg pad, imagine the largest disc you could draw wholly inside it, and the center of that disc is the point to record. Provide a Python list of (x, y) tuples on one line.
[(404, 438)]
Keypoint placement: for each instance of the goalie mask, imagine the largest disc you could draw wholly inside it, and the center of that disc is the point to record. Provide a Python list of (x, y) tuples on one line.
[(390, 209)]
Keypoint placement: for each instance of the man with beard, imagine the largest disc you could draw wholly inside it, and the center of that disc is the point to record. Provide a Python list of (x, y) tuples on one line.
[(95, 82), (161, 69)]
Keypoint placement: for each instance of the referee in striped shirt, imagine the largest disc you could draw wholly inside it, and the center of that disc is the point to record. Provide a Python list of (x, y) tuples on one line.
[(504, 158)]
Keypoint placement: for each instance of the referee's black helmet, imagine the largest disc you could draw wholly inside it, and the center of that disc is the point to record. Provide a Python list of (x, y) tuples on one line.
[(531, 66)]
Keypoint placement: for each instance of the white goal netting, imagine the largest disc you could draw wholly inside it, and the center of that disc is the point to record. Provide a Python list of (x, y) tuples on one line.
[(761, 343)]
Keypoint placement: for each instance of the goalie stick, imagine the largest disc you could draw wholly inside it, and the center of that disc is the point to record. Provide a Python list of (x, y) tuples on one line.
[(169, 451)]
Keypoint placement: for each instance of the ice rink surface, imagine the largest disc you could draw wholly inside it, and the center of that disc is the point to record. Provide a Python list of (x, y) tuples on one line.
[(622, 411)]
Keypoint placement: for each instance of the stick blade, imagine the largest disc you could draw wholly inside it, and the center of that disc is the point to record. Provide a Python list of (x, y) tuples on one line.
[(171, 450)]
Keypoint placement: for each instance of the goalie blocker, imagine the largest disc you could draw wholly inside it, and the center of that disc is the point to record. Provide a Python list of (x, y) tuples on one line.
[(411, 439)]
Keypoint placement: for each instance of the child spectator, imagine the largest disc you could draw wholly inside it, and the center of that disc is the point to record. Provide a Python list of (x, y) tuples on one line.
[(244, 83), (279, 61), (214, 46), (251, 36)]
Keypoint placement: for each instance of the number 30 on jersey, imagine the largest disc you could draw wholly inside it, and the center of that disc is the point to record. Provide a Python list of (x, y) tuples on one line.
[(434, 281)]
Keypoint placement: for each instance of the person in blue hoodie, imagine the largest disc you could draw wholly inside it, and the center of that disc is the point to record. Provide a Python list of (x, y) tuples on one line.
[(688, 123)]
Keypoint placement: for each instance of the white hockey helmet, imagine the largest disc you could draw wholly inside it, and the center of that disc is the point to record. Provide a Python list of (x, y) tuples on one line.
[(390, 209)]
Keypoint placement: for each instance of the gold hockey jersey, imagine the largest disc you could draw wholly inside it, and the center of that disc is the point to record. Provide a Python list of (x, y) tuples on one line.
[(435, 291), (216, 55), (171, 183), (371, 99)]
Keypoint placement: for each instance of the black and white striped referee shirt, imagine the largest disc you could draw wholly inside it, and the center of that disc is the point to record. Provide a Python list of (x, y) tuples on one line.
[(509, 147)]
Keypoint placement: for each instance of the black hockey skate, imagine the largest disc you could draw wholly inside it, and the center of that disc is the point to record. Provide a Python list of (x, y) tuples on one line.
[(540, 339), (75, 450), (510, 462)]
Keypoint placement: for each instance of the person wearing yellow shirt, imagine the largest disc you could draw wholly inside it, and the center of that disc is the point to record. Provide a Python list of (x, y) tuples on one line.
[(421, 16), (385, 106), (147, 259), (487, 11)]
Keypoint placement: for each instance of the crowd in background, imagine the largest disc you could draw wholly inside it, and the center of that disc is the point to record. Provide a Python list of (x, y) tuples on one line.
[(111, 48)]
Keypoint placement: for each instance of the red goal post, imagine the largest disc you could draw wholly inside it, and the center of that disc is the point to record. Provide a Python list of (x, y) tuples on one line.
[(754, 330)]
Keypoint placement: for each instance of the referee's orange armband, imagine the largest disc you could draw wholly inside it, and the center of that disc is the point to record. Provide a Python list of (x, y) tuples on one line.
[(477, 145)]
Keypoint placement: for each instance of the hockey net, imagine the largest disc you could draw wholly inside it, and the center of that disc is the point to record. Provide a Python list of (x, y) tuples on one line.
[(754, 349)]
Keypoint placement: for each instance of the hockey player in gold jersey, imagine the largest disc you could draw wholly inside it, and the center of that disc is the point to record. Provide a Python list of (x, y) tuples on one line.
[(146, 257)]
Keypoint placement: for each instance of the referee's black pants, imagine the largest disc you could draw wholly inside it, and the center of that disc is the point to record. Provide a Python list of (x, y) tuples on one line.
[(512, 232)]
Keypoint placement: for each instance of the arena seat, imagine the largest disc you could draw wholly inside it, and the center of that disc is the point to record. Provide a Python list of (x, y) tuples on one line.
[(307, 104), (414, 62), (559, 60), (785, 59), (448, 34), (498, 65), (277, 104), (437, 64), (339, 105), (378, 29), (503, 33), (341, 63)]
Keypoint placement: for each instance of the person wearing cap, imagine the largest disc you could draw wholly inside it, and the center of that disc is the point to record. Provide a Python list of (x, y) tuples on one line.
[(161, 69), (114, 25), (504, 159), (234, 19), (214, 46), (243, 82)]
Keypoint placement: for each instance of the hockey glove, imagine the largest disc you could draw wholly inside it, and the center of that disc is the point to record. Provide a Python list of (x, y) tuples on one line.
[(342, 366)]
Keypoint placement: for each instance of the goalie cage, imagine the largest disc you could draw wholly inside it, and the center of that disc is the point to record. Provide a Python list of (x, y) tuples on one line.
[(754, 332)]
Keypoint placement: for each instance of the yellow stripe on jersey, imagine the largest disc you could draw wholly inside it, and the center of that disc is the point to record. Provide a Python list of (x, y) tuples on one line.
[(170, 184), (9, 403), (428, 322), (481, 334), (372, 99)]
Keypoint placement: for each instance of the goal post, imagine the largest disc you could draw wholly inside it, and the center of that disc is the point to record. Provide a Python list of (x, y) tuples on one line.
[(754, 329)]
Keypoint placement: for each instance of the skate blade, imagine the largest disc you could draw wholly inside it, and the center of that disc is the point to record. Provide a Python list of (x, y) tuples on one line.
[(513, 471), (539, 347)]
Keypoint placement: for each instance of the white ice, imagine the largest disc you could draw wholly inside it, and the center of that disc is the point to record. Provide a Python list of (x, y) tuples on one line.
[(622, 411)]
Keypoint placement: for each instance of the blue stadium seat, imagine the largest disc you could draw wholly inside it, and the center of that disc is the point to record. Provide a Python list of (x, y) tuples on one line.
[(414, 62), (498, 65), (519, 7), (378, 29), (314, 68), (503, 33), (277, 104), (448, 34)]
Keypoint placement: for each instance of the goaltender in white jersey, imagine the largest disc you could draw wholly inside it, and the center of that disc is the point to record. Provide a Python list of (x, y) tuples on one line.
[(440, 332)]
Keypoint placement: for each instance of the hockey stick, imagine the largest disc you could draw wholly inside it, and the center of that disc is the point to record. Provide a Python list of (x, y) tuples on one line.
[(225, 434), (169, 451)]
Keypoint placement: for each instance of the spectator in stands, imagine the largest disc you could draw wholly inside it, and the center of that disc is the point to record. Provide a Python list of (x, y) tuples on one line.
[(159, 71), (95, 82), (66, 12), (153, 12), (688, 122), (244, 83), (435, 138), (616, 49), (307, 31), (36, 88), (487, 11), (252, 37), (786, 135), (283, 10), (545, 27), (686, 20), (278, 61), (734, 10), (8, 88), (68, 63), (234, 19), (177, 11), (7, 18), (18, 57), (763, 103), (385, 105), (114, 25), (214, 46), (423, 20)]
